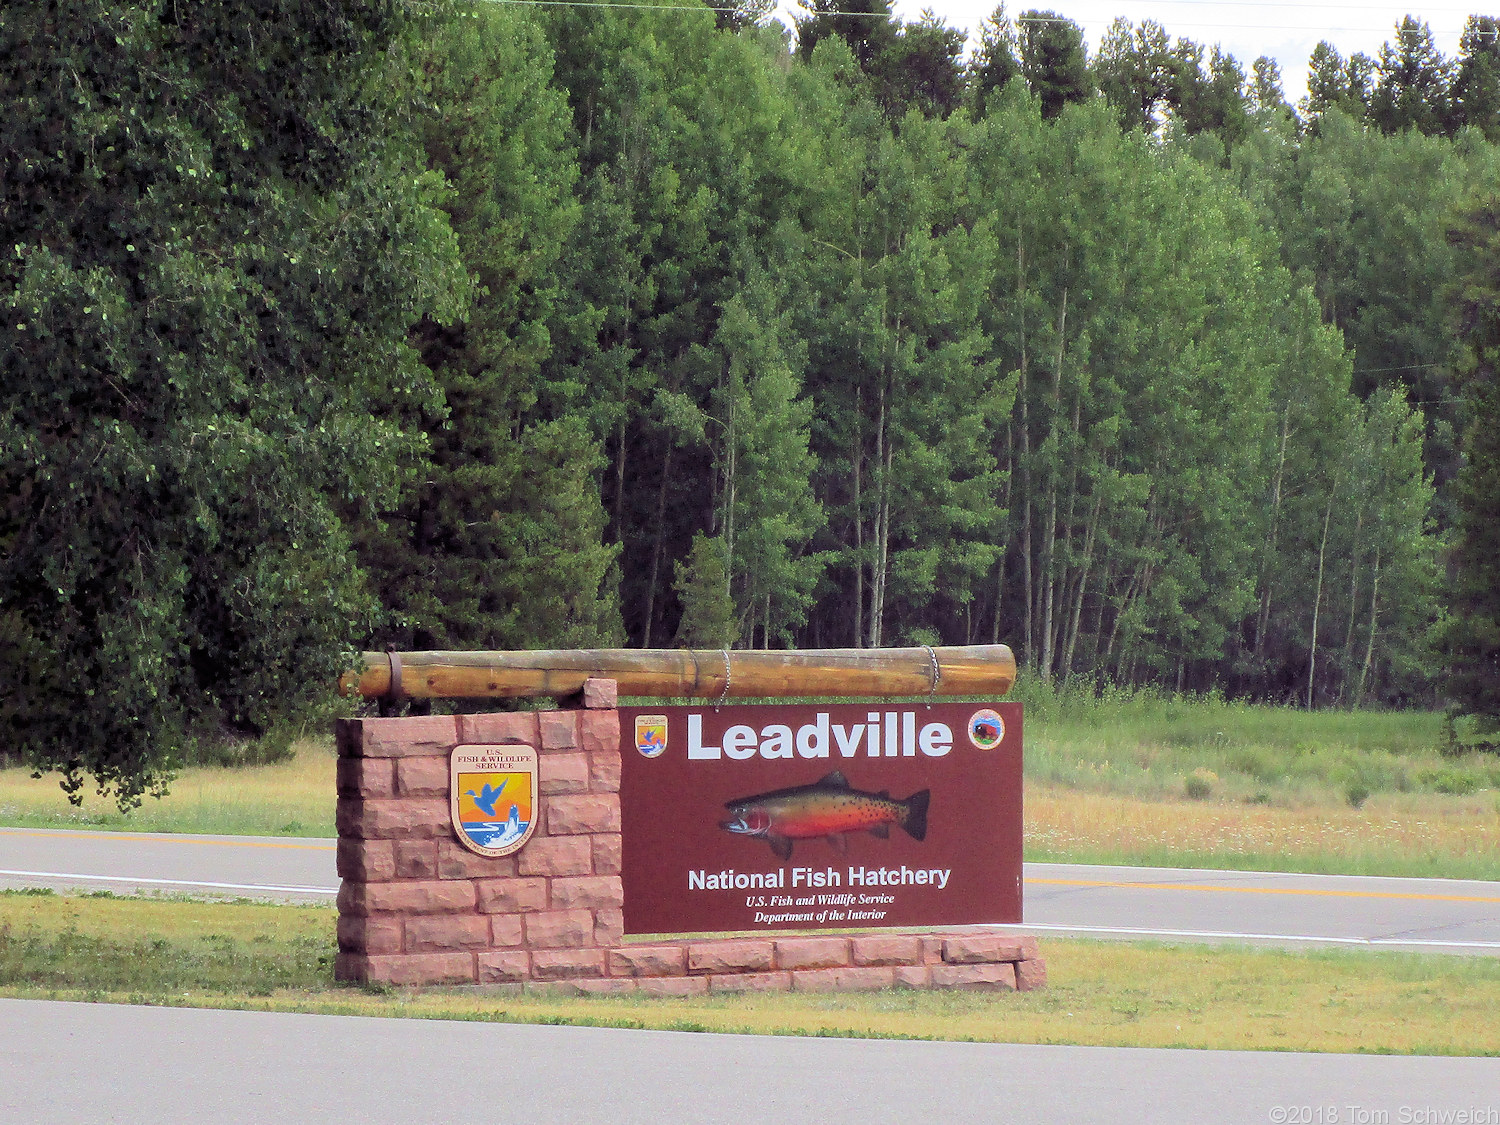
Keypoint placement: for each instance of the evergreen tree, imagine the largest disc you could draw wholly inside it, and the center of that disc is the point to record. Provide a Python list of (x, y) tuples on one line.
[(497, 542), (1053, 60), (996, 62), (1133, 69), (1412, 82), (1476, 84)]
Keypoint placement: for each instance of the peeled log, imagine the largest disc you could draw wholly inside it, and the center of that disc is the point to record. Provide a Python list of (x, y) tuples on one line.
[(687, 673)]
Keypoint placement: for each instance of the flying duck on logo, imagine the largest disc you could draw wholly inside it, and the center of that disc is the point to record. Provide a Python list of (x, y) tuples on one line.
[(492, 794)]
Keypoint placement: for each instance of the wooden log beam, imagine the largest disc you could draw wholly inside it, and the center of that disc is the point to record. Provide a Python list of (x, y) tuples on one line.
[(687, 673)]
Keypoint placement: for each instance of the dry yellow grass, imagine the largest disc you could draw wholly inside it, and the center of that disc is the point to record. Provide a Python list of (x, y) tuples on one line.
[(1392, 833), (295, 797), (1109, 994)]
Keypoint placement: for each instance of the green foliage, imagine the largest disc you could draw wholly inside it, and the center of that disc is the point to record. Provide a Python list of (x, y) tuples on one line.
[(1472, 636), (215, 242), (702, 585), (496, 543)]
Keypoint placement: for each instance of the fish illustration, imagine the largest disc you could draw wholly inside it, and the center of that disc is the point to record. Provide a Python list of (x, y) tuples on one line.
[(828, 808)]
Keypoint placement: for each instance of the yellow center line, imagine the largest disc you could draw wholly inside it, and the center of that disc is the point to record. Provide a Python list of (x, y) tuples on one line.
[(1261, 890), (54, 834)]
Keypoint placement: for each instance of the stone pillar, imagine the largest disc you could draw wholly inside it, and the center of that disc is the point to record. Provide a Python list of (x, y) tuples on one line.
[(416, 907)]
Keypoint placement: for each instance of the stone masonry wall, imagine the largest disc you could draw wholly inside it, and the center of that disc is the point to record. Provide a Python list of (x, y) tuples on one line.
[(416, 907)]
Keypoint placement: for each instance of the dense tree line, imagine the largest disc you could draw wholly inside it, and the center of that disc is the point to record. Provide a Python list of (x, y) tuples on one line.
[(332, 325)]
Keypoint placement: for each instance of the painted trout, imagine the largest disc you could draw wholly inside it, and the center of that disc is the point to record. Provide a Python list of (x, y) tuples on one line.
[(828, 808)]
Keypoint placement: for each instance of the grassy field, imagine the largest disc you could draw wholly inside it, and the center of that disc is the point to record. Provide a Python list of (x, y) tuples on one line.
[(243, 955), (1124, 777)]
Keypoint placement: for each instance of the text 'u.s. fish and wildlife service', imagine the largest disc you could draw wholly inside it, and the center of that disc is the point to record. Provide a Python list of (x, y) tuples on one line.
[(807, 816)]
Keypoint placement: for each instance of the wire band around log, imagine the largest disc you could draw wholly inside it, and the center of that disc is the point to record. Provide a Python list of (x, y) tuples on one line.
[(723, 695), (937, 674)]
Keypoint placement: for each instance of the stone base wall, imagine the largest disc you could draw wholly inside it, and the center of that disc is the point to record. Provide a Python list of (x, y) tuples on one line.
[(416, 907)]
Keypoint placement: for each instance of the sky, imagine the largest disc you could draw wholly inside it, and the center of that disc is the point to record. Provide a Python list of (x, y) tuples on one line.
[(1283, 29)]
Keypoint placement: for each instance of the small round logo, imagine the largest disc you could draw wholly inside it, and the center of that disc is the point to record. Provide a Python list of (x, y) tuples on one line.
[(986, 729)]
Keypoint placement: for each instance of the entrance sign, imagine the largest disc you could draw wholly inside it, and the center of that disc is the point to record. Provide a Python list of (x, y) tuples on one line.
[(810, 816), (492, 797)]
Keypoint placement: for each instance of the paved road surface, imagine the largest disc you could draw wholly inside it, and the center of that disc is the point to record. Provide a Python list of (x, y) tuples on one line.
[(83, 1063), (1440, 915)]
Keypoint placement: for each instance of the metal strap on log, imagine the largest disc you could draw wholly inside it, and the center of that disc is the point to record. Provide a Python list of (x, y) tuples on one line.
[(717, 674)]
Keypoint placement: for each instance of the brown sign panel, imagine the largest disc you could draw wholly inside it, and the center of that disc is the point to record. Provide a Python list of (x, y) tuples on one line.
[(812, 816)]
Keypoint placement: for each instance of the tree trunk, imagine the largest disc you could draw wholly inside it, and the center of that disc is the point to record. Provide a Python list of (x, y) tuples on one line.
[(1312, 655)]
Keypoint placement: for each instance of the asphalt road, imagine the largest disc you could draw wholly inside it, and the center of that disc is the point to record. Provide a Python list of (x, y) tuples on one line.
[(1437, 915), (86, 1063)]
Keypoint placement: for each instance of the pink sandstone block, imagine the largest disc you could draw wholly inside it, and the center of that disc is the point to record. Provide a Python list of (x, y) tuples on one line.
[(602, 986), (556, 855), (406, 898), (1028, 948), (730, 956), (887, 949), (351, 967), (346, 737), (587, 813), (563, 964), (564, 773), (457, 862), (608, 859), (381, 934), (750, 982), (439, 933), (604, 771), (976, 949), (648, 961), (932, 950), (588, 892), (994, 976), (422, 777), (422, 968), (506, 931), (912, 976), (843, 980), (503, 967), (366, 777), (673, 986), (420, 735), (609, 927), (599, 730), (416, 859), (1031, 974), (511, 896), (600, 694), (366, 861), (812, 953), (559, 729), (560, 929), (426, 817), (498, 728)]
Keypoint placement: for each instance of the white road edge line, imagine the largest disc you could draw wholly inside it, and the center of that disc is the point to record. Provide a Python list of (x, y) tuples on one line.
[(169, 882), (1056, 926)]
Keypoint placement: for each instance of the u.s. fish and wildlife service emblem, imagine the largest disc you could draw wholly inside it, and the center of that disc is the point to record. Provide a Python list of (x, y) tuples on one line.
[(492, 794), (651, 734)]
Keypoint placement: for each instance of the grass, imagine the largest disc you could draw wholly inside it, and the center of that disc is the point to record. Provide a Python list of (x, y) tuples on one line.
[(1133, 777), (244, 955), (294, 797)]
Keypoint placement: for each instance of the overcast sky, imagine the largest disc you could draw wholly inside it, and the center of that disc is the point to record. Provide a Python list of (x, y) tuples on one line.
[(1284, 29)]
